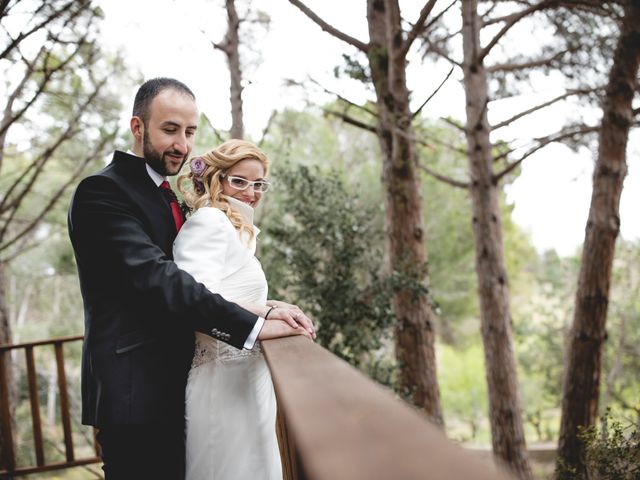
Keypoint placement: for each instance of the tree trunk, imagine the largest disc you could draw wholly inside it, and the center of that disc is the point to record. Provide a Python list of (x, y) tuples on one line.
[(232, 42), (403, 204), (507, 430), (584, 357)]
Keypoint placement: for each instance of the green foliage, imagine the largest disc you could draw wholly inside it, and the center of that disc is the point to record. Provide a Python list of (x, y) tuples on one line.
[(543, 310), (303, 138), (613, 453), (207, 137), (449, 240), (545, 315), (621, 388), (323, 253), (463, 389), (353, 68)]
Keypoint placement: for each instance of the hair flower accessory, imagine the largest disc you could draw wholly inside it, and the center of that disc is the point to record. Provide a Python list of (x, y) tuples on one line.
[(198, 166), (198, 186)]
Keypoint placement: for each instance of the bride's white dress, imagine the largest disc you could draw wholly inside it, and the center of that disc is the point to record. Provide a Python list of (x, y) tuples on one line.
[(230, 401)]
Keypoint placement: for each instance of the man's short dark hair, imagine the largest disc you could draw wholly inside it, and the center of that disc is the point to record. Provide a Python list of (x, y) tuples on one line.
[(150, 90)]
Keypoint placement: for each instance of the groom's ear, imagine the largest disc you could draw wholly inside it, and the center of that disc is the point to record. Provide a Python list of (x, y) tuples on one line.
[(137, 128)]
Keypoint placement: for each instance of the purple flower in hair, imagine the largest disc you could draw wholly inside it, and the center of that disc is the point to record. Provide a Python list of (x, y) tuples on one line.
[(198, 186), (198, 166)]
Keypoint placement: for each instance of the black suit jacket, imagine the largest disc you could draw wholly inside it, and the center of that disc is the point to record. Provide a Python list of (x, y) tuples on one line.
[(140, 309)]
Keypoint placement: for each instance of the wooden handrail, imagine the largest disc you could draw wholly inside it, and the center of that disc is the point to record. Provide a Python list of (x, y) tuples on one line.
[(51, 341), (338, 424), (8, 462), (346, 427)]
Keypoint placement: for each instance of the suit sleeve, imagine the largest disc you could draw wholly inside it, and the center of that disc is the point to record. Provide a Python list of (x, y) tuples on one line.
[(103, 221)]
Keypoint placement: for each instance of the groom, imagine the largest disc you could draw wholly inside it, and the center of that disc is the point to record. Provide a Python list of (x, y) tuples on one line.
[(140, 309)]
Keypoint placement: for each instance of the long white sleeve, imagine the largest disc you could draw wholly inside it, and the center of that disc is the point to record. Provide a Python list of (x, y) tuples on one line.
[(209, 248), (201, 246)]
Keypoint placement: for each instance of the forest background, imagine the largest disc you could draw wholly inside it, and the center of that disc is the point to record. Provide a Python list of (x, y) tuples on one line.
[(311, 101)]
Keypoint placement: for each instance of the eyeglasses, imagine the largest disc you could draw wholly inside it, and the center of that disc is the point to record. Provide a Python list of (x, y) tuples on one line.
[(240, 183)]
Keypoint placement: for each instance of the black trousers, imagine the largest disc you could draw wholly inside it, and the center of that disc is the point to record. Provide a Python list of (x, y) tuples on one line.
[(137, 452)]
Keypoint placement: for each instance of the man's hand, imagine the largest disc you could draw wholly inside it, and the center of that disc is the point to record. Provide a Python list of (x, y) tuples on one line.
[(292, 314), (279, 328)]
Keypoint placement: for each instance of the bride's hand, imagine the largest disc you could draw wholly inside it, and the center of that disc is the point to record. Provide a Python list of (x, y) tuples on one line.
[(291, 314), (277, 310), (281, 304), (279, 328)]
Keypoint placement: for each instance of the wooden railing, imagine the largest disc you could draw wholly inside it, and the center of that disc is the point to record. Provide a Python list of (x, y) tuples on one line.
[(342, 426), (334, 423), (8, 466)]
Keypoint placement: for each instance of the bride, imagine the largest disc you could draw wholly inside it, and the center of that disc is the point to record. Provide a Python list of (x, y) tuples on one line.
[(230, 401)]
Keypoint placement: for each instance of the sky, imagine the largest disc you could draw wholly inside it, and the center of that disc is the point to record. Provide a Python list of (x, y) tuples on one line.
[(173, 38)]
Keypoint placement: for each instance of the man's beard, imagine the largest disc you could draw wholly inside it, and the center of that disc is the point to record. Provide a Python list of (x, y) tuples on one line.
[(156, 159)]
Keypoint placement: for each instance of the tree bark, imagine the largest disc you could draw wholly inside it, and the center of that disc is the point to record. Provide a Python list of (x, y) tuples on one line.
[(232, 42), (505, 415), (584, 356), (407, 255)]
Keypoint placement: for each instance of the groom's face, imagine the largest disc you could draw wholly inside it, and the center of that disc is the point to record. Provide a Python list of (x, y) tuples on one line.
[(170, 131)]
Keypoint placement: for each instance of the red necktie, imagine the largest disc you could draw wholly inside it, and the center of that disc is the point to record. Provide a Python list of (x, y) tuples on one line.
[(178, 218)]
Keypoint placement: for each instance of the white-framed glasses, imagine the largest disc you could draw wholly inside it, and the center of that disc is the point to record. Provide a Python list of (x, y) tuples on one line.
[(240, 183)]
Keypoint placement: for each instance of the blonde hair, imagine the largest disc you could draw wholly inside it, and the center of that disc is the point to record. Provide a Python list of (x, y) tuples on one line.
[(206, 189)]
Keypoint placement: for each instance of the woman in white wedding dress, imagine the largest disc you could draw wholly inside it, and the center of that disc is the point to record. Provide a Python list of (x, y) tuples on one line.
[(230, 401)]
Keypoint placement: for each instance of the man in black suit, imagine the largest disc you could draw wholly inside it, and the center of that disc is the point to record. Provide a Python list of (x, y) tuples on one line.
[(140, 309)]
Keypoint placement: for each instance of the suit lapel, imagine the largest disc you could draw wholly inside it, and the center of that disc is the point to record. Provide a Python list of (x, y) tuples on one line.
[(152, 201)]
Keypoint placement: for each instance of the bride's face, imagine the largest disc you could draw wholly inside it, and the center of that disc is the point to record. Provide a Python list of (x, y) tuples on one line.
[(249, 169)]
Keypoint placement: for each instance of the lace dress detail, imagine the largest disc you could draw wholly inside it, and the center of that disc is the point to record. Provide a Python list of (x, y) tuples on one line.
[(209, 350)]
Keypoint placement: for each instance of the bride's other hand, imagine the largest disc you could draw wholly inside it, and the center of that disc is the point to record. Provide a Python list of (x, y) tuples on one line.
[(292, 314), (273, 328)]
